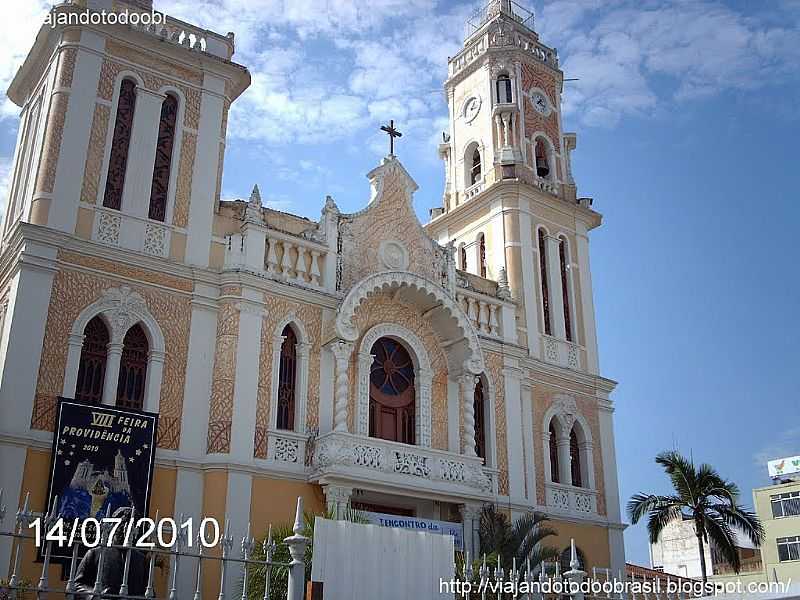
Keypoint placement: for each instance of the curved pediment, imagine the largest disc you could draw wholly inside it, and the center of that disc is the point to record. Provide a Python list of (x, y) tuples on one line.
[(387, 236)]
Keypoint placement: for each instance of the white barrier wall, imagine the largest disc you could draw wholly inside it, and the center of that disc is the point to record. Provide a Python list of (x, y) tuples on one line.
[(365, 562)]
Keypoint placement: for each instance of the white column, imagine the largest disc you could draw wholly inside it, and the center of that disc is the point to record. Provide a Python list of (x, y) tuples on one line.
[(237, 509), (75, 135), (470, 519), (155, 373), (564, 463), (21, 344), (326, 373), (248, 351), (204, 176), (303, 350), (113, 359), (468, 407), (516, 468), (341, 352), (142, 152), (453, 415), (12, 457), (528, 443), (74, 348), (189, 503), (337, 499), (199, 370), (529, 295), (554, 287), (587, 297)]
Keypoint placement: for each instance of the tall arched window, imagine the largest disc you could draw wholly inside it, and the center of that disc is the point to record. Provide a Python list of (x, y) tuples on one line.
[(543, 277), (503, 87), (287, 379), (159, 190), (575, 459), (562, 257), (482, 255), (133, 369), (553, 445), (475, 168), (120, 143), (92, 368), (480, 420), (542, 163), (392, 414), (462, 257)]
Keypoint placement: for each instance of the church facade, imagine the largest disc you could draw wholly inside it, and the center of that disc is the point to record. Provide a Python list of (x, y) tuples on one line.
[(363, 359)]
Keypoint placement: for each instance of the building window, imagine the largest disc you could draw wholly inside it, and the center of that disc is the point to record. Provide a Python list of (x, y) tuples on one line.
[(133, 369), (562, 257), (159, 190), (480, 420), (482, 255), (92, 368), (475, 168), (553, 445), (543, 277), (542, 164), (287, 379), (120, 144), (462, 257), (503, 87), (786, 505), (392, 414), (788, 548), (575, 459)]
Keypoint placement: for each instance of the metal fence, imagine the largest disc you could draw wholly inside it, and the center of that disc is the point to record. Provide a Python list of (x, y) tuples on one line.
[(239, 561)]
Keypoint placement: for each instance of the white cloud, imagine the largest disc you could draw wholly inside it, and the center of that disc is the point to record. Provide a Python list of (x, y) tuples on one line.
[(785, 443), (624, 52)]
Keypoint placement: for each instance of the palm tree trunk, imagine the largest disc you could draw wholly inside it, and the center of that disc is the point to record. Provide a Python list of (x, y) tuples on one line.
[(702, 559)]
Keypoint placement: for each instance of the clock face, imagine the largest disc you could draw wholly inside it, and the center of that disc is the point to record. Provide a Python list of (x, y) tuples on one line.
[(540, 103), (471, 108)]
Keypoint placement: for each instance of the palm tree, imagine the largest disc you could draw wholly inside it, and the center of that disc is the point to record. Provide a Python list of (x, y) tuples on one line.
[(520, 540), (704, 497)]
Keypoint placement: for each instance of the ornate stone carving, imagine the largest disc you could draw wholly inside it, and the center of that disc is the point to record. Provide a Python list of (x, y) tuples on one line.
[(393, 255), (155, 240), (107, 228), (341, 351), (409, 463), (286, 450)]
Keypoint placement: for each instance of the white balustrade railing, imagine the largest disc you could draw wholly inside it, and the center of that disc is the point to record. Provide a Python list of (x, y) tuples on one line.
[(571, 500), (286, 448), (295, 259), (484, 312), (562, 353), (115, 228), (346, 454), (473, 190)]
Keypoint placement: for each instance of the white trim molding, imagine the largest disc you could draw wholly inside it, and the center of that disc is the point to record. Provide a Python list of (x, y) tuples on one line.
[(120, 308), (423, 378)]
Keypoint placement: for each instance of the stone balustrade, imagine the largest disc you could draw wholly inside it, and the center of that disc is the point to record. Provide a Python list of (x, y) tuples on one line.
[(562, 353), (294, 259), (287, 449), (342, 454), (115, 228), (484, 312), (188, 36), (568, 499), (473, 190)]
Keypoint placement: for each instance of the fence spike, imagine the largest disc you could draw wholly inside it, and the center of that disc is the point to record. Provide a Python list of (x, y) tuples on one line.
[(199, 571), (45, 566), (123, 589), (149, 592), (2, 507), (227, 542), (298, 517)]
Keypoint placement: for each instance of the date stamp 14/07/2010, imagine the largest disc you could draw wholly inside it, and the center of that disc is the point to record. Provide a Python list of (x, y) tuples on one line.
[(142, 533)]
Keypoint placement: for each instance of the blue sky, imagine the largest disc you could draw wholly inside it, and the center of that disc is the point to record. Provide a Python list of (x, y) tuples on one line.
[(687, 114)]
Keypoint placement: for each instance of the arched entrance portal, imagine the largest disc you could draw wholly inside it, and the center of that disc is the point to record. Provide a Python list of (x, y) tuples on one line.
[(392, 414)]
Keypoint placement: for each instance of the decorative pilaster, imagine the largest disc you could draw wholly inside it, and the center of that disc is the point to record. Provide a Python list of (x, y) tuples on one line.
[(468, 408), (74, 348), (341, 352), (470, 518), (425, 380), (337, 499), (564, 461)]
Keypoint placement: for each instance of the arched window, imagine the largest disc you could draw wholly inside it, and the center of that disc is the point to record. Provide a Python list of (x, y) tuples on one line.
[(133, 369), (480, 420), (503, 87), (475, 169), (120, 143), (482, 255), (575, 459), (562, 257), (543, 277), (287, 379), (92, 368), (462, 257), (391, 393), (542, 163), (553, 445), (159, 190)]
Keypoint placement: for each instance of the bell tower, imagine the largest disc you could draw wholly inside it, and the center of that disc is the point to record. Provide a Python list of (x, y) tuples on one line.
[(510, 204)]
